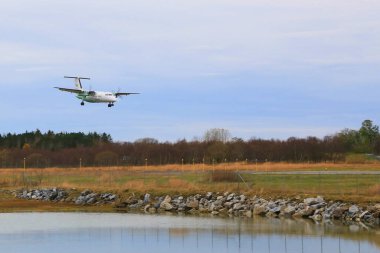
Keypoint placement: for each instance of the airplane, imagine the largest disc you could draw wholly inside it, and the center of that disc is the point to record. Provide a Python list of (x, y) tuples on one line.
[(93, 96)]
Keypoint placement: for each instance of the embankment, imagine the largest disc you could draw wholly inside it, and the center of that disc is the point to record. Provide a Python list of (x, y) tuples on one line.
[(217, 204)]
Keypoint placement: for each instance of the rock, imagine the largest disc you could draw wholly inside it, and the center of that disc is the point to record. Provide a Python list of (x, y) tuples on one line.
[(228, 204), (238, 206), (53, 195), (353, 209), (157, 205), (166, 206), (219, 198), (376, 214), (276, 209), (214, 206), (91, 201), (147, 198), (146, 208), (317, 217), (308, 211), (112, 197), (363, 214), (131, 201), (137, 205), (248, 213), (313, 201), (197, 197), (271, 214), (230, 197), (271, 205), (338, 213), (193, 204), (80, 200), (259, 210), (85, 192), (289, 211), (167, 199)]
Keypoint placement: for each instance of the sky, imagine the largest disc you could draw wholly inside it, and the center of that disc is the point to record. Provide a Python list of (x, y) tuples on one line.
[(259, 68)]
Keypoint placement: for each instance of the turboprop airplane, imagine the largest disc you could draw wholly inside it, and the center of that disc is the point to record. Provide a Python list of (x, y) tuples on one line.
[(93, 96)]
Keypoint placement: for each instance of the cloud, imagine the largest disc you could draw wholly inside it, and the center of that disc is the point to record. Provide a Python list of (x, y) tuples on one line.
[(212, 62)]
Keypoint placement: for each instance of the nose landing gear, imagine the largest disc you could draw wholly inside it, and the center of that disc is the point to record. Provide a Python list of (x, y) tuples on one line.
[(110, 104), (82, 104)]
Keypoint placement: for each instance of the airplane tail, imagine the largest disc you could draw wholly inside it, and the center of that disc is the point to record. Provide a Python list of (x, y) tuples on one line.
[(77, 81)]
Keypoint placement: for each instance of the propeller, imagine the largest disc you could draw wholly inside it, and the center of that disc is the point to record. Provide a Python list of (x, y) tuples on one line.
[(90, 91), (118, 91)]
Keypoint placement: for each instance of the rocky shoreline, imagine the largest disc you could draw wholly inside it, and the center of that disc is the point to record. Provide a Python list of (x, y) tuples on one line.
[(230, 204)]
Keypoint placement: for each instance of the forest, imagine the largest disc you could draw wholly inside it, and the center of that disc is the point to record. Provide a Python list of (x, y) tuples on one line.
[(51, 149)]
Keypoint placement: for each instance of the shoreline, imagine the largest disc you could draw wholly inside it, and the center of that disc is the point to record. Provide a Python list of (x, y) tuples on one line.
[(224, 204)]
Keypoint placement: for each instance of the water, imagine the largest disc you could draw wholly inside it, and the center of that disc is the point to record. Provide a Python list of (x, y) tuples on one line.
[(88, 232)]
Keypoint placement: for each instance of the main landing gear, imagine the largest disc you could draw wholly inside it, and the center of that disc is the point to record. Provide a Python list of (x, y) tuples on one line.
[(110, 104), (82, 104)]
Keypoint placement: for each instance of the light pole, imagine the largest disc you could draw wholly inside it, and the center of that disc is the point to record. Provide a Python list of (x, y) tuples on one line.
[(146, 167), (23, 176)]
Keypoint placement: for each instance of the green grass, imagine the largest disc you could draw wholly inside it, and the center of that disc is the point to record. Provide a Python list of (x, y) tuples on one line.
[(346, 187)]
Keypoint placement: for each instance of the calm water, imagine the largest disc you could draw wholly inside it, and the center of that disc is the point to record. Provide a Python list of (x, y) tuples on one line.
[(83, 232)]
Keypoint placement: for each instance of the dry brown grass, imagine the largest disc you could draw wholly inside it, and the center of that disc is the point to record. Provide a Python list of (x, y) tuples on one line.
[(197, 178), (260, 167), (375, 190)]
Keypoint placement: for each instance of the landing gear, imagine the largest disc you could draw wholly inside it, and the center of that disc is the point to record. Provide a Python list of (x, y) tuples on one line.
[(110, 104), (82, 104)]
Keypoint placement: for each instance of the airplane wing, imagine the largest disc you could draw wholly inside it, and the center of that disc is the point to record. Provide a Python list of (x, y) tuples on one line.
[(117, 94), (70, 90)]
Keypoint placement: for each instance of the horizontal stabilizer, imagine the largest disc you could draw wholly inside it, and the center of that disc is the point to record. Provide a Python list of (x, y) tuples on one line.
[(117, 94), (77, 81)]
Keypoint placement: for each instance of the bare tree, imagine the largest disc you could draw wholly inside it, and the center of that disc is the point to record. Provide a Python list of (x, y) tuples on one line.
[(217, 134)]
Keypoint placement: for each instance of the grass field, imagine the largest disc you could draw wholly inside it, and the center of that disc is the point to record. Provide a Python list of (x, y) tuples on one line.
[(188, 179)]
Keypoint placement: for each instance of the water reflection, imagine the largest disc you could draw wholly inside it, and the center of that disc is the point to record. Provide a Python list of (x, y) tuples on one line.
[(81, 232)]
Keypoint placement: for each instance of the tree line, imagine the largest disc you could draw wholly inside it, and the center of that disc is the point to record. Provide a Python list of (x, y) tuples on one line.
[(69, 149)]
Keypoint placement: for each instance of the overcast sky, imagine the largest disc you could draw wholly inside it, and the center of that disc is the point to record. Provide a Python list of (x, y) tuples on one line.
[(260, 68)]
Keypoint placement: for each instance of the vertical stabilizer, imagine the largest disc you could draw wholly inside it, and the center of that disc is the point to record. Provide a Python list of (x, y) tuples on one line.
[(78, 84)]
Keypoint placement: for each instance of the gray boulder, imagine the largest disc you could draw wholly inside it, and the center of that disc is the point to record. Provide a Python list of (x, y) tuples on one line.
[(166, 206), (147, 198), (313, 201), (259, 210), (193, 204), (353, 209), (289, 210)]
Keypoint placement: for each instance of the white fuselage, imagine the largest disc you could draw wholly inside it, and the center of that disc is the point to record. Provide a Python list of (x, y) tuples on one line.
[(97, 97)]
